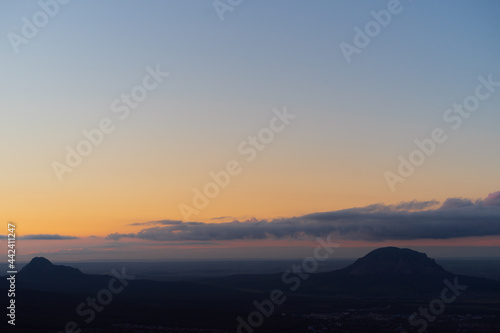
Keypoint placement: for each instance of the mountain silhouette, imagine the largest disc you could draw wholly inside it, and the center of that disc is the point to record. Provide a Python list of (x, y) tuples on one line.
[(40, 268), (402, 277), (385, 272), (388, 272), (41, 274), (392, 272), (395, 261)]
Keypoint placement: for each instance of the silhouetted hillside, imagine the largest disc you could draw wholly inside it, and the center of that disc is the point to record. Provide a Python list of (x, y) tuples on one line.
[(41, 268), (392, 272), (392, 260), (384, 276), (40, 274), (388, 272)]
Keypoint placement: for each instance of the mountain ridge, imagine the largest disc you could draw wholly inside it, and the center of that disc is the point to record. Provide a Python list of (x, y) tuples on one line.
[(383, 272), (393, 260)]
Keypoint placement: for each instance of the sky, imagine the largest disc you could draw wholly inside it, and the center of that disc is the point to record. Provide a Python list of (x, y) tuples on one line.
[(221, 129)]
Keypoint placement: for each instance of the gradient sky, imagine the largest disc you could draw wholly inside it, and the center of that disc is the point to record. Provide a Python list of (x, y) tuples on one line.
[(225, 79)]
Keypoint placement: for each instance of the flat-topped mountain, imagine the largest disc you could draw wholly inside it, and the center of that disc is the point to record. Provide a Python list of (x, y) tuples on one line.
[(388, 272), (392, 272), (383, 276), (393, 260), (385, 272)]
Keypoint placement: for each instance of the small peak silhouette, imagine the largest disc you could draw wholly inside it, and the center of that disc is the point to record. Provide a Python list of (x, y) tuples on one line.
[(41, 268)]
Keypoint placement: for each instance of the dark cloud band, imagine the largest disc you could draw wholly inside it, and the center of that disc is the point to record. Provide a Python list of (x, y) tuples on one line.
[(455, 218)]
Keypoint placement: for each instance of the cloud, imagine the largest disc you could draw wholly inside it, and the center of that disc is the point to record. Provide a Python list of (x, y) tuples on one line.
[(493, 199), (47, 237), (415, 205), (452, 203), (455, 218), (160, 222)]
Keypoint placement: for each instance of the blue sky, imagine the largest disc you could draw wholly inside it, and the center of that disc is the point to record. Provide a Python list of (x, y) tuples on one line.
[(353, 119)]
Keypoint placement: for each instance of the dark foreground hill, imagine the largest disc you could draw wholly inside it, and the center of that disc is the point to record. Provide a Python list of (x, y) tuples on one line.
[(51, 296), (391, 272), (388, 272)]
